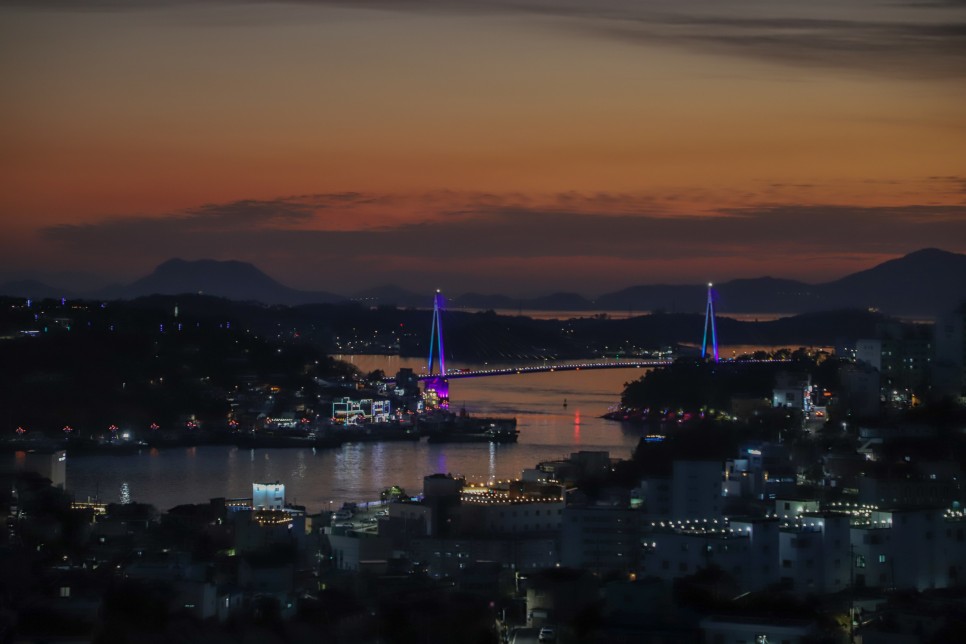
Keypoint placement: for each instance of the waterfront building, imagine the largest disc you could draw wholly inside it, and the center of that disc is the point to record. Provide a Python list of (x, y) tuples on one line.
[(407, 383), (268, 496), (511, 516), (347, 411), (49, 464)]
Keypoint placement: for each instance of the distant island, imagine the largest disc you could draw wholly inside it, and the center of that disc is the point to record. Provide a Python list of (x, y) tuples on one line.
[(923, 283)]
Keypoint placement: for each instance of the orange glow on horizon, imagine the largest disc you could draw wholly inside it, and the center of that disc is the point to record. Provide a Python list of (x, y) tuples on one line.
[(435, 117)]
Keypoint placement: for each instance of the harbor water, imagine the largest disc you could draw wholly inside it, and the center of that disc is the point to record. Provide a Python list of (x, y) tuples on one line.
[(557, 413)]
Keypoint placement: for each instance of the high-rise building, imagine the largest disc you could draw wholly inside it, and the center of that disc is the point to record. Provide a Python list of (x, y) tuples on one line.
[(949, 368)]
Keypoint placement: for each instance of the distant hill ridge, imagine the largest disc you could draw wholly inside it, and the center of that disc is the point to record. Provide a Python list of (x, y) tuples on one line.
[(925, 282), (233, 280)]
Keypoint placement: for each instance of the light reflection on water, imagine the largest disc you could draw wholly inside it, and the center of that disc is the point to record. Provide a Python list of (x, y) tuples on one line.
[(300, 467), (359, 471), (491, 474)]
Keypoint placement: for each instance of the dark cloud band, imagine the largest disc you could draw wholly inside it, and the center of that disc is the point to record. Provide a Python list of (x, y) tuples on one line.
[(914, 39), (482, 228)]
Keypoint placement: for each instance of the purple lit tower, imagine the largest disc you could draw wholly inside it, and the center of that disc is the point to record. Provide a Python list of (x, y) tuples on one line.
[(709, 321), (438, 385)]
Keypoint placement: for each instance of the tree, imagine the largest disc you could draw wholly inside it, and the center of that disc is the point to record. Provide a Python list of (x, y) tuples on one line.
[(393, 493)]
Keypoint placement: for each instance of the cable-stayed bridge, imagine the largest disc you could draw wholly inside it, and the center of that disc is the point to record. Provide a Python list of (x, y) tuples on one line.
[(437, 377)]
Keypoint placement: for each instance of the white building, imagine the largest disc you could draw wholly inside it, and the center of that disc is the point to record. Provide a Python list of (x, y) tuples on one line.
[(600, 538), (814, 552), (928, 548), (761, 569), (268, 496), (949, 369), (347, 411), (916, 549), (745, 550), (357, 550), (793, 390), (872, 554), (50, 465), (520, 507), (869, 351), (517, 518), (696, 489)]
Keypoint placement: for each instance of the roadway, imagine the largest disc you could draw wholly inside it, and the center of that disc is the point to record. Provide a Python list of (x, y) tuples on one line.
[(575, 366)]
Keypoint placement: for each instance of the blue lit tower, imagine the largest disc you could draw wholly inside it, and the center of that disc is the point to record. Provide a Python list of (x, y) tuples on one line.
[(709, 321), (437, 386)]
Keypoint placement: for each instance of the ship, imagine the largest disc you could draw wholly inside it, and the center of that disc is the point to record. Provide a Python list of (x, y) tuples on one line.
[(446, 427)]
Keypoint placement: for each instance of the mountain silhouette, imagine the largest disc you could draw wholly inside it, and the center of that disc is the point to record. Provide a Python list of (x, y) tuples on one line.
[(228, 279), (928, 280), (33, 289), (925, 282)]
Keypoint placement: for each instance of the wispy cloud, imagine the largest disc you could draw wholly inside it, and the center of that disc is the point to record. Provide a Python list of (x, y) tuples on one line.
[(878, 36), (912, 49), (481, 226)]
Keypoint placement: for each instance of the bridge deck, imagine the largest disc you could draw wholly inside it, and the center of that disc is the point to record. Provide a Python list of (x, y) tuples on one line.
[(575, 366), (511, 371)]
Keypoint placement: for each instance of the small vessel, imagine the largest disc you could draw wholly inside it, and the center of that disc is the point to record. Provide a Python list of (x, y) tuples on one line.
[(468, 429)]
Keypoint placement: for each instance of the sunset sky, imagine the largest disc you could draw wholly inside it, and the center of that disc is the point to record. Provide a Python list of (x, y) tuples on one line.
[(516, 146)]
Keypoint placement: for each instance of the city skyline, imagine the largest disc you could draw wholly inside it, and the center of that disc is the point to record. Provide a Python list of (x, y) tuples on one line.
[(516, 146)]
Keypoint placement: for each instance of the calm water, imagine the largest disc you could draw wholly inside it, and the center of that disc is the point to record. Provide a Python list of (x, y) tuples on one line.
[(620, 315), (358, 472)]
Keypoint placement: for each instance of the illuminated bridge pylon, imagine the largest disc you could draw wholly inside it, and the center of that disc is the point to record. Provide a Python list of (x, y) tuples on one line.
[(709, 322), (437, 385)]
